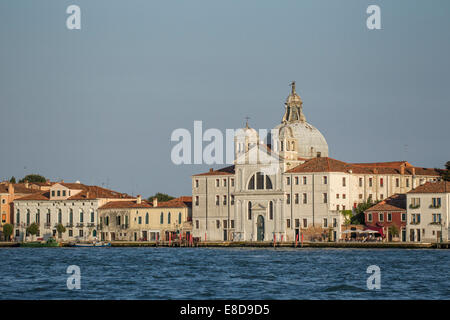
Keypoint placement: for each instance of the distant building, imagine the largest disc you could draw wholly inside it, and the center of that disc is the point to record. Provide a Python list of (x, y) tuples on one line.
[(74, 205), (8, 193), (139, 220), (386, 214), (291, 188), (428, 208)]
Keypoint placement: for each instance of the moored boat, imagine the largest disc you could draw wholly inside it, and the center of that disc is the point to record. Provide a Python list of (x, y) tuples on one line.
[(51, 242), (94, 244)]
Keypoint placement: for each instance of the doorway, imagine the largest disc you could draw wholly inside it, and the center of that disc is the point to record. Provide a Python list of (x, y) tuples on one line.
[(260, 228)]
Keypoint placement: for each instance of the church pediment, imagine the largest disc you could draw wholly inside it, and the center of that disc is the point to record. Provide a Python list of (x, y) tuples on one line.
[(258, 206)]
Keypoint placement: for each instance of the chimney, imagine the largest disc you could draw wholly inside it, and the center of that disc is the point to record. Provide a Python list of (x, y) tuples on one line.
[(402, 168), (413, 171), (11, 189), (87, 194), (155, 202), (138, 199)]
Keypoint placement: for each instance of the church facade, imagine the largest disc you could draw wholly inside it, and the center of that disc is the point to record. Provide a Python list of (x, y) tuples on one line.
[(291, 189)]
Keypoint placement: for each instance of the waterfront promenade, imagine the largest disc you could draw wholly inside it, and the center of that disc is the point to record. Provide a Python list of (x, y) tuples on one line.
[(255, 244)]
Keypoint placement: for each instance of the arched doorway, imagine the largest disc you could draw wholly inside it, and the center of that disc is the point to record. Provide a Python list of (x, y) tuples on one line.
[(260, 228)]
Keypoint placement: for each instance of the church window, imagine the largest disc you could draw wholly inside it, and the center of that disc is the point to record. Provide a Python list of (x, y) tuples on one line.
[(251, 184), (268, 183), (249, 210), (270, 210), (259, 181)]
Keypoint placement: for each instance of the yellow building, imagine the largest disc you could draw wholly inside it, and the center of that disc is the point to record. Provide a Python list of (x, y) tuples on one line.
[(139, 220)]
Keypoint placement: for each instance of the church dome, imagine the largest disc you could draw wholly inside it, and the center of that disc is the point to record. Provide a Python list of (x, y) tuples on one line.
[(296, 137)]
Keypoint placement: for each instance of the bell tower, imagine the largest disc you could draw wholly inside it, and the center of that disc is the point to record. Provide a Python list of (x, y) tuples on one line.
[(294, 107)]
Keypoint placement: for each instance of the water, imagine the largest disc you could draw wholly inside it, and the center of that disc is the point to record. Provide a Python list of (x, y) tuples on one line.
[(206, 273)]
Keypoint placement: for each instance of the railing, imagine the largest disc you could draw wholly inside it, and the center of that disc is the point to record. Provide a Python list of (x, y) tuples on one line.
[(124, 226), (411, 206), (80, 225), (69, 225), (435, 206)]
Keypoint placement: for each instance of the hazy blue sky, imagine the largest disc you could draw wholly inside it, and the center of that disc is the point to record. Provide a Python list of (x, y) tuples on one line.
[(99, 104)]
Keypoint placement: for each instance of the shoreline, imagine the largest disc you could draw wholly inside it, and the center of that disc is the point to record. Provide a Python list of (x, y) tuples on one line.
[(236, 244)]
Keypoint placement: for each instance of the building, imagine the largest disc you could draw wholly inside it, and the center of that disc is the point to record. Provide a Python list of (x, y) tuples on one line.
[(291, 188), (139, 220), (388, 214), (8, 193), (74, 205), (428, 208)]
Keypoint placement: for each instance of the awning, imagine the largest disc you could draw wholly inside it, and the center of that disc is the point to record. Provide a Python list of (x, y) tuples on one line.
[(377, 229)]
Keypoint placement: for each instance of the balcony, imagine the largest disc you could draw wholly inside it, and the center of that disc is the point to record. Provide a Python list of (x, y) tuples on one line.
[(434, 206), (124, 226), (80, 225), (415, 222), (414, 206), (69, 225)]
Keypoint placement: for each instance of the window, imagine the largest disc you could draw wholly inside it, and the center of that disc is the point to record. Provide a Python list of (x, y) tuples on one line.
[(232, 223), (3, 201), (297, 223), (64, 193), (288, 223), (381, 196), (325, 179), (168, 218), (296, 180), (196, 200), (325, 198), (381, 217), (232, 182), (197, 224), (397, 182), (318, 154), (370, 182), (92, 216), (38, 216), (369, 217), (28, 216), (70, 233), (224, 200), (80, 233), (59, 193), (296, 198), (334, 222), (305, 198), (196, 183), (249, 210), (270, 210), (415, 203), (81, 217), (436, 202), (288, 180), (403, 216), (337, 195), (305, 223), (217, 200), (139, 220), (343, 182), (71, 216), (48, 217), (225, 224), (407, 183), (217, 182), (305, 181), (217, 224), (360, 196), (343, 196), (360, 182), (107, 220), (288, 199), (232, 199), (161, 218), (338, 207), (381, 182), (389, 217), (325, 222), (146, 218), (59, 216), (224, 182)]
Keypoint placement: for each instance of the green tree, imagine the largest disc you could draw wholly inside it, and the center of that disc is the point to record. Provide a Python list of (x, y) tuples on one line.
[(162, 197), (33, 229), (33, 178), (348, 214), (61, 229), (13, 179), (8, 231), (393, 230)]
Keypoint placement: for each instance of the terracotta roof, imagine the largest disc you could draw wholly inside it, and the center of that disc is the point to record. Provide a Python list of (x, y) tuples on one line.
[(126, 205), (433, 187), (326, 164), (87, 193), (19, 188), (224, 171), (395, 202), (181, 202)]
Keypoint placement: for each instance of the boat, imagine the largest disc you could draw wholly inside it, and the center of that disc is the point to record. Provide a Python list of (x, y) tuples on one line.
[(51, 242), (93, 244)]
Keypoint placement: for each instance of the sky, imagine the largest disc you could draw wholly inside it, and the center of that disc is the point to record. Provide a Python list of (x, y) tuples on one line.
[(99, 104)]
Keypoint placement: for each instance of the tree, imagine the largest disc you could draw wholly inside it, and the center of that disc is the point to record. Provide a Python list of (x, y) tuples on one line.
[(33, 229), (13, 179), (393, 230), (162, 197), (446, 173), (61, 229), (33, 178), (348, 214), (8, 231)]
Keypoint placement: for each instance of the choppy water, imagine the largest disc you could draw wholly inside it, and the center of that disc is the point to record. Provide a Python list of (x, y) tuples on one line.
[(204, 273)]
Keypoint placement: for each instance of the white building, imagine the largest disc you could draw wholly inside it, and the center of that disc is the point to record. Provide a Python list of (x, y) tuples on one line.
[(291, 189), (428, 209), (74, 205)]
